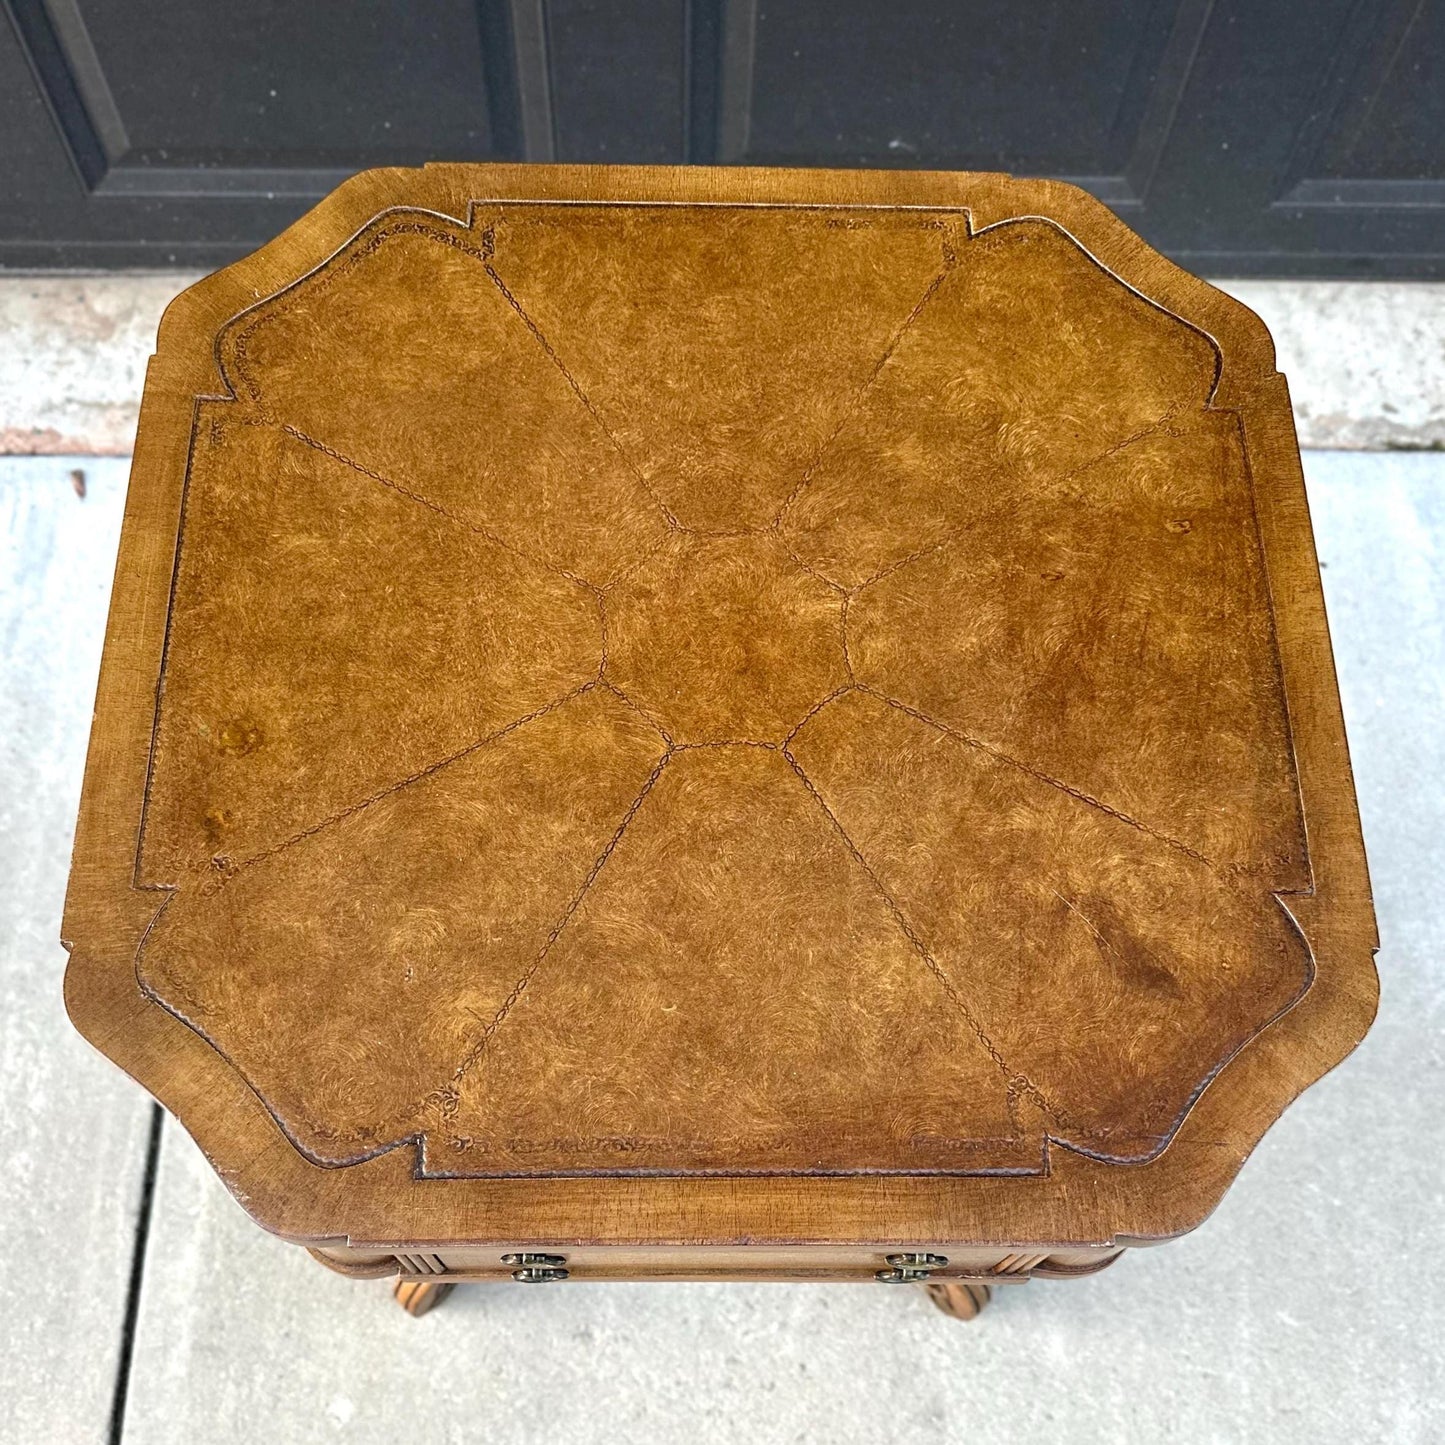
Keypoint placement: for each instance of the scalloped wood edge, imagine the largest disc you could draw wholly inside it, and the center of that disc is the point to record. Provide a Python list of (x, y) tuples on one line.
[(1081, 1202)]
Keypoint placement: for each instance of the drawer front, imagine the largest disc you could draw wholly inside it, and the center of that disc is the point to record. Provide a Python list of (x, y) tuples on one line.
[(884, 1263)]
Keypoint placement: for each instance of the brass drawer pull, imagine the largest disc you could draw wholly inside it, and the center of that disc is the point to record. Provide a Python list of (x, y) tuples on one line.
[(910, 1268), (538, 1275), (537, 1268)]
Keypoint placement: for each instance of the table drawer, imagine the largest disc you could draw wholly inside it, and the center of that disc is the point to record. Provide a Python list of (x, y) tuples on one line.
[(898, 1264)]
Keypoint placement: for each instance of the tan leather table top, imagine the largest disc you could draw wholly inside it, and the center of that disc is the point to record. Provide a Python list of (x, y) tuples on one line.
[(715, 705)]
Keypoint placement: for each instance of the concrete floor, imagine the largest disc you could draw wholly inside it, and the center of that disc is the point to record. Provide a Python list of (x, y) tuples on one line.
[(1308, 1309)]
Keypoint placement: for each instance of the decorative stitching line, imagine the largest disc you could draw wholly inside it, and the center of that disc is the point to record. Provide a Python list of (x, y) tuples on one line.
[(1160, 424), (601, 598), (432, 506), (228, 869), (891, 702), (727, 743), (489, 246), (160, 688), (321, 277), (639, 562), (338, 265), (798, 562), (641, 712), (271, 1108), (1015, 1079), (1267, 586), (954, 533), (446, 1098), (1113, 276), (885, 210), (843, 635), (902, 1171), (1164, 1139), (816, 708), (949, 261), (1034, 772)]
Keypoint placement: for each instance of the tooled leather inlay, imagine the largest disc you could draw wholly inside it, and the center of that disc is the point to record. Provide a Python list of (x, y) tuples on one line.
[(674, 689)]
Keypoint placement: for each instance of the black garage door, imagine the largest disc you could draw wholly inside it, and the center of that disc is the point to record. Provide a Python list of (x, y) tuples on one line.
[(1273, 137)]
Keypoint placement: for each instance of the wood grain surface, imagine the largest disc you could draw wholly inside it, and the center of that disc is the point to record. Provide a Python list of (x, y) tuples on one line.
[(662, 709)]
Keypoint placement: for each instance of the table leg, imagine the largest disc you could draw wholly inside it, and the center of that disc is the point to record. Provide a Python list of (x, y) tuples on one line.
[(961, 1300), (417, 1296)]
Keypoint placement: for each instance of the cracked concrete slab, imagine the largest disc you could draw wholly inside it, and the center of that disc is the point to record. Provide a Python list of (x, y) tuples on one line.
[(1365, 360), (73, 1130), (1302, 1311), (73, 364)]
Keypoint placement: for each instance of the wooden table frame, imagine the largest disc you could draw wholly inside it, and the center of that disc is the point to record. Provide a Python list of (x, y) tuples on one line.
[(377, 1217)]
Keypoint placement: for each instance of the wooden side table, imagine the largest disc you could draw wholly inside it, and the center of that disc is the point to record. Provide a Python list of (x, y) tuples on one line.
[(690, 724)]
